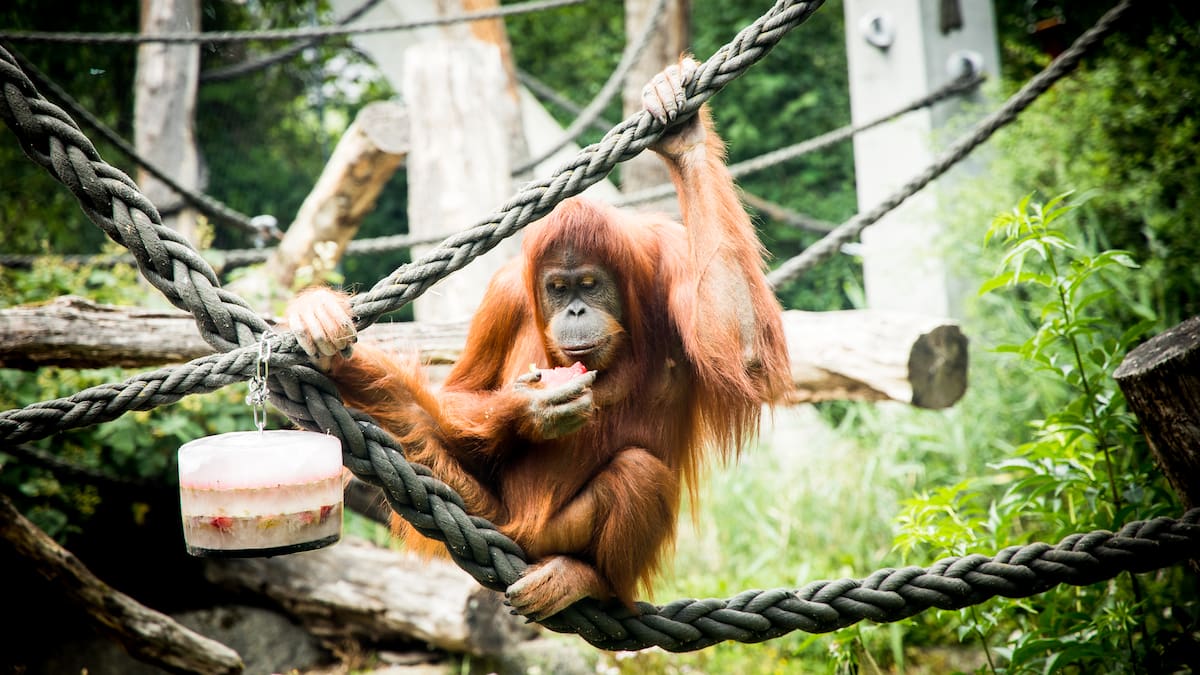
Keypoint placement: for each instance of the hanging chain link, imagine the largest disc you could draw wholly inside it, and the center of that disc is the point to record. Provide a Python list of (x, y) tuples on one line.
[(257, 396)]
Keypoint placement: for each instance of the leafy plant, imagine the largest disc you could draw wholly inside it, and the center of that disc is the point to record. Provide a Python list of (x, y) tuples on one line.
[(1085, 468), (137, 449)]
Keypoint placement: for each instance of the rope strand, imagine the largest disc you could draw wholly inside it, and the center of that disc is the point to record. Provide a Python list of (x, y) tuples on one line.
[(279, 34), (831, 243), (112, 201)]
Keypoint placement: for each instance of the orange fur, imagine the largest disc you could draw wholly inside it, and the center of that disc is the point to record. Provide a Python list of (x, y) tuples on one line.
[(702, 349)]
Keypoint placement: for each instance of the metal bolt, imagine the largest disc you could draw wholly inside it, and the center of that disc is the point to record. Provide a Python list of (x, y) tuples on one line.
[(878, 29)]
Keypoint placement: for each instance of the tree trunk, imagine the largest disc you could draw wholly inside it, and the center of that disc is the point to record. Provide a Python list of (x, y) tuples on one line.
[(851, 355), (363, 592), (164, 109), (366, 157), (672, 39), (1161, 383), (459, 167)]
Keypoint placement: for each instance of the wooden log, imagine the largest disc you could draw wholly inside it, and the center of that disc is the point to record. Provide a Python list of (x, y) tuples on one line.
[(366, 593), (671, 38), (146, 634), (1161, 382), (164, 109), (73, 332), (365, 158), (459, 168), (861, 355), (876, 355)]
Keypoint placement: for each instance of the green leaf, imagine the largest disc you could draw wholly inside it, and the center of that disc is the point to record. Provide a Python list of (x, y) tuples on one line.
[(1117, 257)]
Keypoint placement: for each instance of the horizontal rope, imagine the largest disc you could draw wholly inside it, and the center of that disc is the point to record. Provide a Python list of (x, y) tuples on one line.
[(308, 398), (279, 34)]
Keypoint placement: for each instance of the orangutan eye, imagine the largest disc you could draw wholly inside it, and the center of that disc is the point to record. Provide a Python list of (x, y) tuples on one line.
[(557, 285), (588, 281)]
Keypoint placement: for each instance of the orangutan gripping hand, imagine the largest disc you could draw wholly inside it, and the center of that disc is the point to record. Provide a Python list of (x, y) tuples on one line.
[(663, 98), (679, 340), (324, 325), (555, 410)]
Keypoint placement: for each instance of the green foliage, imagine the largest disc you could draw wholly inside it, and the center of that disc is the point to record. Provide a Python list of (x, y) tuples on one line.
[(137, 449), (50, 277), (1085, 467), (37, 214), (1129, 121), (799, 91)]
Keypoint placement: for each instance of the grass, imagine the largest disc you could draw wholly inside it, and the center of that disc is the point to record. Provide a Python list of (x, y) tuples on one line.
[(810, 503)]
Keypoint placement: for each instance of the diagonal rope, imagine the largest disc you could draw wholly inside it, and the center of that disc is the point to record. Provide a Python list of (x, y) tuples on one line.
[(210, 207), (591, 113), (309, 399), (278, 34), (830, 244)]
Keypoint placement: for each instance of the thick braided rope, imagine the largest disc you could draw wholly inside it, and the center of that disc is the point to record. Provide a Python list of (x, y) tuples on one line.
[(217, 211), (307, 397), (590, 165), (830, 244), (279, 34), (893, 594)]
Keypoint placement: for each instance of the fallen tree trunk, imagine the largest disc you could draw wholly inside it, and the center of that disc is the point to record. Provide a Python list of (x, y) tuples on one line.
[(365, 593), (862, 355), (147, 635), (1161, 382)]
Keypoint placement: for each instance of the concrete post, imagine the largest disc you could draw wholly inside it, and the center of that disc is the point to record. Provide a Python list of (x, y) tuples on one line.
[(898, 51)]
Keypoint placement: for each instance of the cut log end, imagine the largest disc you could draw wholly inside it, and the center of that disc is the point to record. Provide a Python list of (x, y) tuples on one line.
[(937, 368), (1172, 348), (1161, 383)]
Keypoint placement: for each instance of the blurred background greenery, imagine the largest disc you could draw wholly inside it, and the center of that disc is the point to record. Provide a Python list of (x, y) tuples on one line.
[(1040, 446)]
